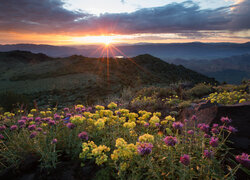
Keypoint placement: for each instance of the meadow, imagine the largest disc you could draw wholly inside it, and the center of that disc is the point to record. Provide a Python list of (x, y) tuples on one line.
[(121, 140)]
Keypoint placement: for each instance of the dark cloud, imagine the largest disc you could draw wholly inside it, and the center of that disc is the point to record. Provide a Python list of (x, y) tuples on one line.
[(49, 16)]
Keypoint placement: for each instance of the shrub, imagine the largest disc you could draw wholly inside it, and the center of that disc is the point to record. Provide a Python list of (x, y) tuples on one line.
[(199, 90)]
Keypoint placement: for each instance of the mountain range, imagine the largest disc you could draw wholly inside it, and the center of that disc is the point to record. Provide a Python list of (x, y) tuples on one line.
[(79, 77)]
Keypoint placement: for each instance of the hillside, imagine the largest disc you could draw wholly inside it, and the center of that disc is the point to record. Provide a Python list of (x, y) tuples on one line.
[(231, 69), (78, 77)]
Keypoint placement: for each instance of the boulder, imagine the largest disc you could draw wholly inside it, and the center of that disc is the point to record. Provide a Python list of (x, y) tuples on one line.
[(209, 113)]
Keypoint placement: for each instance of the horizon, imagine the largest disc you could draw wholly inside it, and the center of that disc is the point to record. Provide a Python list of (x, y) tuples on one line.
[(75, 22)]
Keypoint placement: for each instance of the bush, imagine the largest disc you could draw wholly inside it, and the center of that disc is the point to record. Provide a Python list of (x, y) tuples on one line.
[(9, 100), (199, 90)]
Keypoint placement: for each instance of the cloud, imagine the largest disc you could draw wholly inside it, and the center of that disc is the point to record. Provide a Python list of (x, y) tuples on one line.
[(49, 16)]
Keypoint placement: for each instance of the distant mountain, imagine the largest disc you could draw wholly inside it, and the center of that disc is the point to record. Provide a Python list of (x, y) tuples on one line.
[(195, 50), (232, 69), (87, 77)]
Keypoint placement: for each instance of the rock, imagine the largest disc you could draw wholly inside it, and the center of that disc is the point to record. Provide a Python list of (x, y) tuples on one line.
[(211, 113)]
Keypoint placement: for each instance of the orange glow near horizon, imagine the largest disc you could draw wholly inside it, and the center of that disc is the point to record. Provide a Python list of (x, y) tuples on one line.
[(52, 39)]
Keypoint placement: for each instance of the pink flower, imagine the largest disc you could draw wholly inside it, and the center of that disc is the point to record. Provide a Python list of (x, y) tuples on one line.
[(213, 142), (207, 136), (232, 129), (1, 137), (208, 154), (33, 134), (170, 140), (145, 148), (194, 118), (32, 127), (185, 159), (191, 132), (21, 122), (225, 120), (215, 131), (2, 128), (177, 125), (54, 141), (83, 135), (13, 127), (243, 159), (71, 125)]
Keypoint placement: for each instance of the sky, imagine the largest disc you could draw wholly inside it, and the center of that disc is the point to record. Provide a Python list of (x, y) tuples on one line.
[(77, 22)]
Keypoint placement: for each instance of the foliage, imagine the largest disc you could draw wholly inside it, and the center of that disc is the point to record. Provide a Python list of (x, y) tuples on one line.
[(228, 97), (199, 90), (129, 145)]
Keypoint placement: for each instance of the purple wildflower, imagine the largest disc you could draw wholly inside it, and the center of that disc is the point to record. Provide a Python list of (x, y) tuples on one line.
[(24, 118), (243, 159), (232, 129), (32, 127), (21, 122), (170, 140), (13, 127), (83, 135), (33, 134), (213, 142), (194, 118), (225, 120), (191, 132), (30, 119), (144, 148), (38, 119), (57, 117), (215, 125), (1, 137), (207, 136), (208, 154), (223, 127), (157, 124), (39, 129), (215, 131), (66, 109), (51, 122), (204, 127), (68, 115), (54, 141), (185, 159), (70, 125), (177, 125), (2, 128), (185, 120)]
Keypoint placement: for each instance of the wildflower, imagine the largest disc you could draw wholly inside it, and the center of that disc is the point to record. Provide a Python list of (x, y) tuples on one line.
[(146, 138), (100, 123), (32, 135), (170, 118), (32, 127), (1, 137), (232, 129), (54, 141), (24, 118), (30, 119), (21, 122), (243, 159), (57, 117), (208, 153), (39, 129), (215, 131), (144, 148), (213, 142), (223, 127), (13, 127), (66, 109), (157, 124), (112, 105), (225, 120), (153, 120), (215, 125), (37, 119), (242, 100), (2, 128), (204, 127), (207, 136), (71, 125), (194, 118), (146, 124), (51, 122), (185, 120), (191, 132), (185, 159), (170, 140), (177, 125), (83, 135)]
